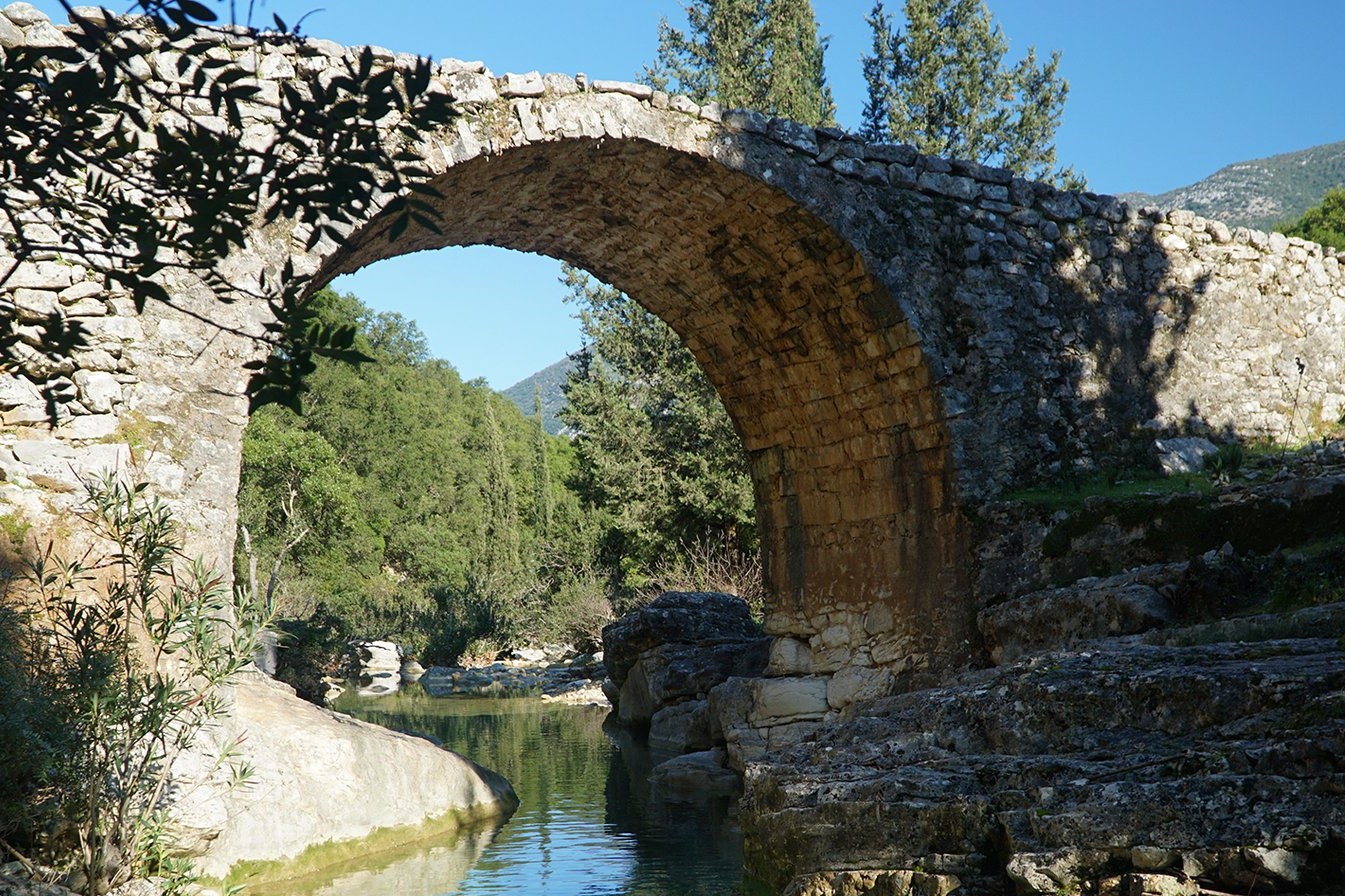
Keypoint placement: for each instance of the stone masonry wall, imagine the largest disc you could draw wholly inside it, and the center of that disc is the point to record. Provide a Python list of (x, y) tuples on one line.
[(897, 337)]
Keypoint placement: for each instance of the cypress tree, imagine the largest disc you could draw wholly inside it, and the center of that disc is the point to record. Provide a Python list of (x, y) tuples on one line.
[(500, 526), (796, 84), (879, 76), (543, 506)]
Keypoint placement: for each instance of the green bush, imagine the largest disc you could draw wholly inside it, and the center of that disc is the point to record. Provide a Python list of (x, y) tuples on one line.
[(1225, 463), (122, 658)]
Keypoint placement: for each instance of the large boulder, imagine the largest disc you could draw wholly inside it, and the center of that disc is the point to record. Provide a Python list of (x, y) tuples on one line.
[(700, 775), (1060, 617), (671, 673), (681, 728), (675, 617), (318, 777)]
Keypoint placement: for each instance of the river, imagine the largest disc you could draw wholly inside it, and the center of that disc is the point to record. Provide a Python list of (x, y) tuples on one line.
[(587, 825)]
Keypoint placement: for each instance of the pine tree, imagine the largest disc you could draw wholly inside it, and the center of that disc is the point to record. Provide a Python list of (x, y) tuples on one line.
[(657, 452), (942, 86), (748, 54)]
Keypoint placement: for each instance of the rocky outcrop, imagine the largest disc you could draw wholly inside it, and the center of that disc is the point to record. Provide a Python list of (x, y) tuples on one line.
[(668, 674), (675, 617), (1276, 502), (700, 775), (1095, 608), (377, 667), (546, 674), (678, 648), (683, 668), (319, 776), (1116, 764)]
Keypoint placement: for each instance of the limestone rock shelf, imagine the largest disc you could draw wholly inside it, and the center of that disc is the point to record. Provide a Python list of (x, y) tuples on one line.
[(1219, 764)]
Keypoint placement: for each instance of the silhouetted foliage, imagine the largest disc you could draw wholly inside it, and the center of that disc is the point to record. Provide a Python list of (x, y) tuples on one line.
[(104, 165)]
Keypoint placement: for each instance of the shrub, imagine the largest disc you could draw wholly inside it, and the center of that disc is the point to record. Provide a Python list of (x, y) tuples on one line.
[(1225, 463), (709, 564), (128, 650)]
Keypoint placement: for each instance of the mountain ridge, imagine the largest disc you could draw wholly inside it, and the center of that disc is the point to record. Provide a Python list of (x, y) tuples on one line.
[(551, 381), (1258, 193)]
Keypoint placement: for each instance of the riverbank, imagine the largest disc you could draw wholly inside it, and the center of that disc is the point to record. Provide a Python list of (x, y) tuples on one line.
[(557, 673)]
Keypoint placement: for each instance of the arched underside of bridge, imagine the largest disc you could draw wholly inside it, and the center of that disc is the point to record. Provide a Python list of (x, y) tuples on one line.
[(823, 377)]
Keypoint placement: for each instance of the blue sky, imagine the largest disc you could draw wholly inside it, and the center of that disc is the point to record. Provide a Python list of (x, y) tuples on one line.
[(1163, 93)]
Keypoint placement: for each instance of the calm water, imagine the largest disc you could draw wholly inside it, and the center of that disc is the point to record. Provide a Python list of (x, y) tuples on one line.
[(588, 823)]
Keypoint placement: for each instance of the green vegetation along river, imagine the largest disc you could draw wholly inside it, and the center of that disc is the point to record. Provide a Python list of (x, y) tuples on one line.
[(588, 824)]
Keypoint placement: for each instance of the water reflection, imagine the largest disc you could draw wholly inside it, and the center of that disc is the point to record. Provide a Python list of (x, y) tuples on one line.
[(669, 832), (417, 868), (588, 823)]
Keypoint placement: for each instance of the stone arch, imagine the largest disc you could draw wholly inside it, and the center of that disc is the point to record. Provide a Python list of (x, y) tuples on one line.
[(819, 369), (896, 336)]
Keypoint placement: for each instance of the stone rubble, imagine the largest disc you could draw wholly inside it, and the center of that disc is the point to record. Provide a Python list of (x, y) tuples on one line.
[(572, 679)]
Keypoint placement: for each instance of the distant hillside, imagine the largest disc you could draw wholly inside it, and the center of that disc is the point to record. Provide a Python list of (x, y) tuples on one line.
[(552, 382), (1260, 193)]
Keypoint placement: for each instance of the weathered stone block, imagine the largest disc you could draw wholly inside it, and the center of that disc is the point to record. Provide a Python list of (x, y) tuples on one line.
[(99, 391), (35, 304), (789, 656), (471, 88), (1061, 617), (89, 426), (19, 392), (853, 684), (675, 617), (524, 85), (1148, 885), (681, 728), (702, 775), (786, 699), (639, 91)]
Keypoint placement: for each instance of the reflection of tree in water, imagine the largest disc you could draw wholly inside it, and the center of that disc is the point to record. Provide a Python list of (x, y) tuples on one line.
[(671, 833), (547, 753)]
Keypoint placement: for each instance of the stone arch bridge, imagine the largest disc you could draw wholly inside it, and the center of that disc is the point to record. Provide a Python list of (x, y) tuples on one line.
[(896, 337)]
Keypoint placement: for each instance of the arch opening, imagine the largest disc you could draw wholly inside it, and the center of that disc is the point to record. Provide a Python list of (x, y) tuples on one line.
[(824, 379)]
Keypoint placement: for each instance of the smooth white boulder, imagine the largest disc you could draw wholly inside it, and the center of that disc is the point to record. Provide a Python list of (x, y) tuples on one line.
[(319, 776)]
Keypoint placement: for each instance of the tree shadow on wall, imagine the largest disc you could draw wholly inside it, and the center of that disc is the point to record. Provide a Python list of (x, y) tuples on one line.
[(1073, 341), (135, 181), (1125, 309), (1162, 318)]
